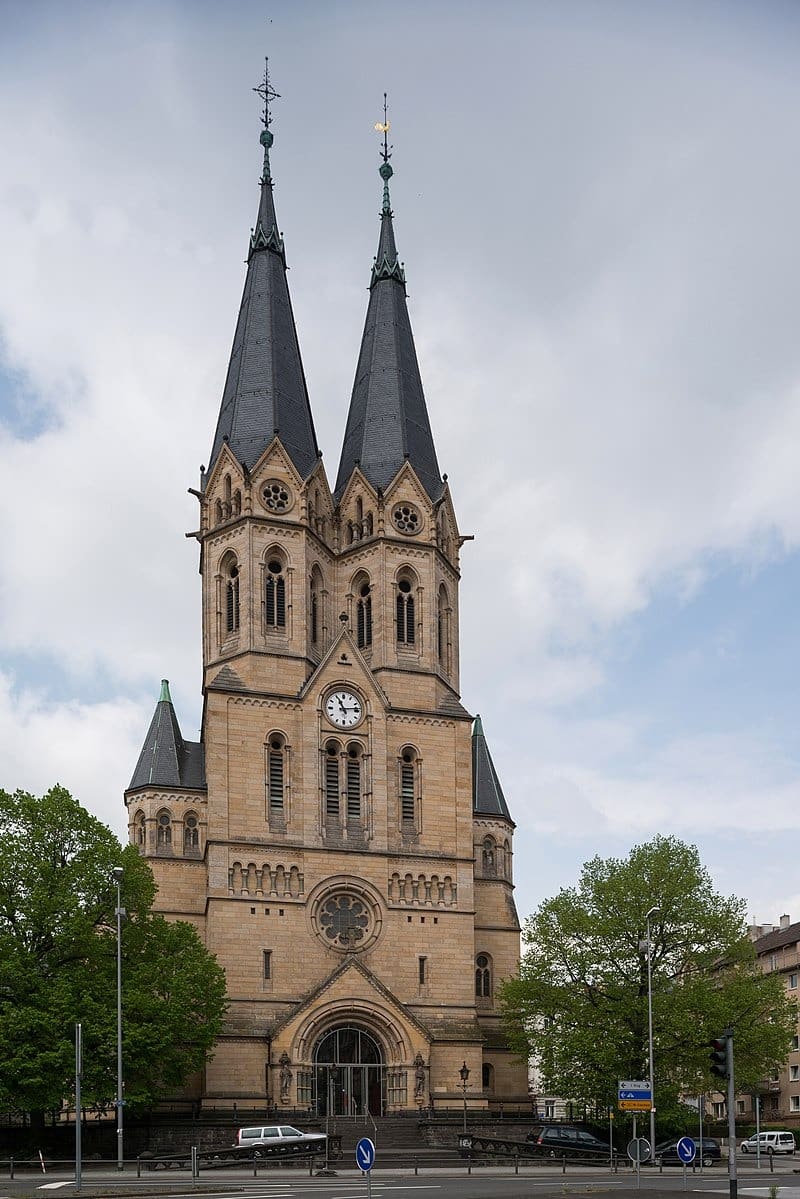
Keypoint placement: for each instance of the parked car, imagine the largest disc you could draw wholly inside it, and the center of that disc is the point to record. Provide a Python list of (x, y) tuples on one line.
[(769, 1142), (280, 1138), (563, 1140), (711, 1152)]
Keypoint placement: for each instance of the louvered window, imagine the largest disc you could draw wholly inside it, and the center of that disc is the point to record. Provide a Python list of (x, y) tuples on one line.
[(232, 600), (353, 786), (314, 618), (275, 775), (405, 613), (275, 596), (332, 781), (407, 804), (364, 617)]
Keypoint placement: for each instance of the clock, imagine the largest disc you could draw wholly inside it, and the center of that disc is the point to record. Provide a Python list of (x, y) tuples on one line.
[(343, 709)]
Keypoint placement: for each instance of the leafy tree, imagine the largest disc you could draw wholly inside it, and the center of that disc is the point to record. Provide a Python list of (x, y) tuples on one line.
[(58, 958), (579, 1004)]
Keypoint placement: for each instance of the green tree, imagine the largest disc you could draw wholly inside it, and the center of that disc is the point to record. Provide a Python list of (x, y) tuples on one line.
[(579, 1004), (58, 965)]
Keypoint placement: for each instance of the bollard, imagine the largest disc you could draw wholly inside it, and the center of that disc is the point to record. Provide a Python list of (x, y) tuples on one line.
[(138, 1167), (771, 1163), (195, 1164), (516, 1161), (256, 1156), (469, 1163), (11, 1167), (564, 1164), (416, 1165), (311, 1165)]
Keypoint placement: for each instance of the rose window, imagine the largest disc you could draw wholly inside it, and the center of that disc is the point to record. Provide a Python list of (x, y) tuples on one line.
[(406, 519), (344, 920), (276, 496)]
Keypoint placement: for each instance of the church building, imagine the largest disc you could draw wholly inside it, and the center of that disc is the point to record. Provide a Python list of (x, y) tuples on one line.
[(339, 836)]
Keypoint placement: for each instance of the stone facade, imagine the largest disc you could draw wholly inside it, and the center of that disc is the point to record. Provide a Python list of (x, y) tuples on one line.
[(334, 856)]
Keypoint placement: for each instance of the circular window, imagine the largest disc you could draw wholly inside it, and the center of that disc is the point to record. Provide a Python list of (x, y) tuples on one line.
[(406, 519), (276, 496), (346, 916)]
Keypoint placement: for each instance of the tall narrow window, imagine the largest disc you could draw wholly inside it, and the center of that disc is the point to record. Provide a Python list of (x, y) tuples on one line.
[(164, 836), (141, 829), (275, 595), (441, 628), (232, 599), (267, 963), (364, 616), (353, 783), (276, 781), (408, 807), (405, 613), (332, 779), (314, 615), (423, 970), (483, 976), (191, 832)]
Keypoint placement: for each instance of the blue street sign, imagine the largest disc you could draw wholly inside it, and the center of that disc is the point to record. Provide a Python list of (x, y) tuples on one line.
[(635, 1094), (686, 1150), (365, 1154)]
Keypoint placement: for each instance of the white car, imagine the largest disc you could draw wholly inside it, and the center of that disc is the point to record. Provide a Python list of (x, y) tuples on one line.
[(769, 1142), (280, 1138)]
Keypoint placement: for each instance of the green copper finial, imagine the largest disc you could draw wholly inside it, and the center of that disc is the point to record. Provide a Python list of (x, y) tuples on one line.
[(385, 170), (164, 697), (267, 92)]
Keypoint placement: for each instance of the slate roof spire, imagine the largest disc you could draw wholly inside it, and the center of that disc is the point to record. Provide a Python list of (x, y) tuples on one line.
[(166, 759), (487, 794), (388, 420), (265, 391)]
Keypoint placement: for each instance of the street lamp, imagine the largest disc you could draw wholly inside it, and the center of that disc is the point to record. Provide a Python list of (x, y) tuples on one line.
[(463, 1074), (655, 911), (117, 874)]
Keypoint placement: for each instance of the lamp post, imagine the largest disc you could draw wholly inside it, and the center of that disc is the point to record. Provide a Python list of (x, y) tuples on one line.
[(463, 1074), (117, 874), (655, 911)]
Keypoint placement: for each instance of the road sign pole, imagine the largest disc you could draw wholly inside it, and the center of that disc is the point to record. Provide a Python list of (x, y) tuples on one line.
[(732, 1180)]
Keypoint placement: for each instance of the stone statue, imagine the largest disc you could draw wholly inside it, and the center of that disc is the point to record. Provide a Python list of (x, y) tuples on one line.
[(286, 1078), (419, 1077)]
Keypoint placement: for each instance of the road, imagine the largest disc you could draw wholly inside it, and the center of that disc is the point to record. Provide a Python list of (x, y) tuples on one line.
[(492, 1182)]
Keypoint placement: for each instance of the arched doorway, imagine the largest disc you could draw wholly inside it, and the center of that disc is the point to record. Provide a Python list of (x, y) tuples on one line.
[(348, 1073)]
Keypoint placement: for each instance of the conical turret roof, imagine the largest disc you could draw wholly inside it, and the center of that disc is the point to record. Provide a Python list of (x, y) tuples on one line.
[(388, 423), (166, 759), (265, 391), (487, 794)]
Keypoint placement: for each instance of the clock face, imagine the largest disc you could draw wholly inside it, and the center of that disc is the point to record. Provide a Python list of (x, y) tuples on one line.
[(343, 709)]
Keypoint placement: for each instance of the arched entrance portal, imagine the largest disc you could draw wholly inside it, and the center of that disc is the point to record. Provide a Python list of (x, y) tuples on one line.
[(348, 1073)]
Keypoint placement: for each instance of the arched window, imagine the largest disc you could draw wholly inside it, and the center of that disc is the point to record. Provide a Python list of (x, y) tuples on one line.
[(364, 616), (441, 627), (408, 787), (353, 772), (226, 507), (218, 518), (487, 1076), (236, 504), (164, 826), (483, 976), (275, 604), (332, 779), (191, 832), (232, 597), (359, 515), (405, 612), (315, 608), (140, 830), (368, 525), (488, 858), (276, 774)]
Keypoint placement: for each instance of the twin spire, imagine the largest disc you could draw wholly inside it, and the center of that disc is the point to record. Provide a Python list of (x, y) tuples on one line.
[(265, 392)]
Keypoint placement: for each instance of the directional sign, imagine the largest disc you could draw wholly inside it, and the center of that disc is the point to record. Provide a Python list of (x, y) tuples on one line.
[(365, 1154), (634, 1105), (686, 1150), (635, 1096)]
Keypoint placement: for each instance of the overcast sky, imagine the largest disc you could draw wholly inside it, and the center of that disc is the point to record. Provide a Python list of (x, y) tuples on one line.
[(597, 208)]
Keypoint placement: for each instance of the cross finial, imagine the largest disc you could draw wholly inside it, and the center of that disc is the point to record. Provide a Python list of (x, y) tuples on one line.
[(267, 93), (385, 171)]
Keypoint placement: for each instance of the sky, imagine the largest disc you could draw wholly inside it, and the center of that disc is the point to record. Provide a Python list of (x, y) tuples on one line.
[(596, 203)]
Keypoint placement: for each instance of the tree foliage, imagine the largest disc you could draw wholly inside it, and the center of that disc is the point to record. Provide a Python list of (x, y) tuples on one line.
[(58, 958), (579, 1004)]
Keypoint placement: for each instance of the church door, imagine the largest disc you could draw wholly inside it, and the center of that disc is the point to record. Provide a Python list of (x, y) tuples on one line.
[(348, 1073)]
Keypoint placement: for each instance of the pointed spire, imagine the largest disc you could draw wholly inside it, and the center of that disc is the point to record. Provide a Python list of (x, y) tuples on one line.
[(388, 423), (166, 759), (487, 794), (265, 391)]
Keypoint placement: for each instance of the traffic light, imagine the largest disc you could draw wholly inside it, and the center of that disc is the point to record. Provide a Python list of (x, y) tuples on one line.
[(719, 1056)]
